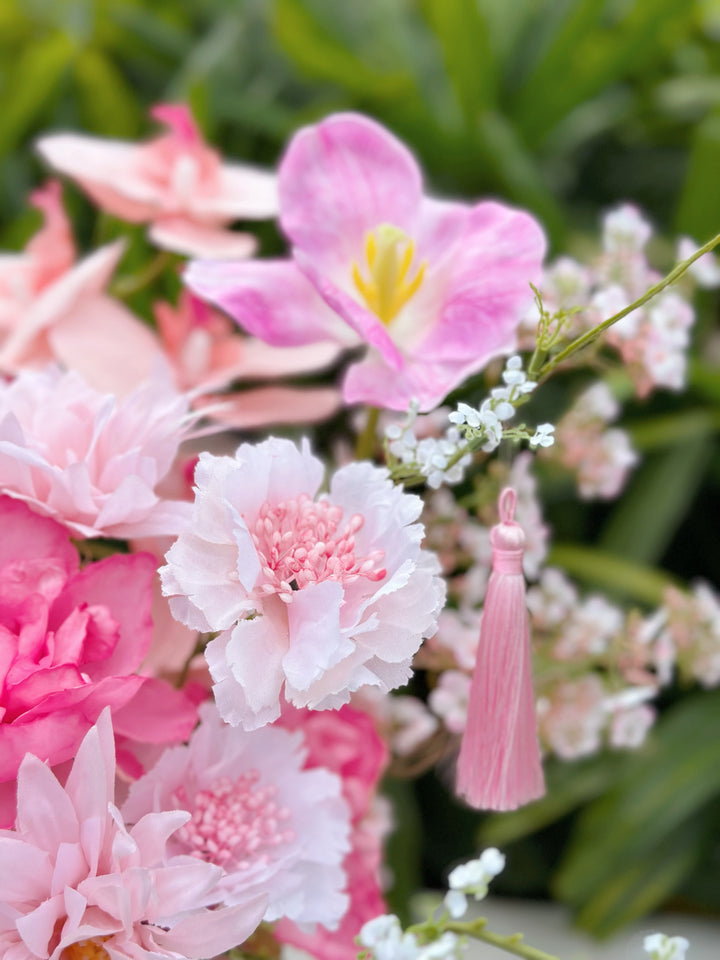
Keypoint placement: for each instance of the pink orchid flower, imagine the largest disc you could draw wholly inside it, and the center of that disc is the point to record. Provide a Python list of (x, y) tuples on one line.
[(208, 354), (54, 309), (175, 182), (435, 289)]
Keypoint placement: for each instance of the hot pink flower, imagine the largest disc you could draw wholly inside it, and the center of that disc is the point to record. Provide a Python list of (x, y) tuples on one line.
[(77, 884), (275, 828), (435, 289), (52, 308), (89, 460), (175, 182), (346, 742), (313, 598), (70, 643), (208, 353)]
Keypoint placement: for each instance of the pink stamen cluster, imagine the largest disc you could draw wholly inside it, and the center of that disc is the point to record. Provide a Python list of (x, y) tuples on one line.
[(299, 541), (235, 822)]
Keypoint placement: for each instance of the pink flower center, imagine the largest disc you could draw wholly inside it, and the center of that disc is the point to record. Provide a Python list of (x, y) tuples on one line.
[(300, 541), (236, 823)]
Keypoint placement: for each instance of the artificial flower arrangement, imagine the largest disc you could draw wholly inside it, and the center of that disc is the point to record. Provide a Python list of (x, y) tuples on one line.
[(201, 637)]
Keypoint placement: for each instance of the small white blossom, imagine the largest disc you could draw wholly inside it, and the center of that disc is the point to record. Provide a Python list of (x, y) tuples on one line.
[(474, 876), (445, 946), (385, 938), (661, 947), (705, 270), (625, 229), (543, 436), (456, 903)]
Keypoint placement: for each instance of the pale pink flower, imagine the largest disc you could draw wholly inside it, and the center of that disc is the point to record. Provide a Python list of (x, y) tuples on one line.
[(313, 597), (90, 460), (175, 182), (275, 828), (629, 728), (75, 882), (572, 718), (346, 742), (71, 641), (692, 632), (601, 458), (449, 699), (208, 353), (435, 289), (52, 308), (456, 642), (409, 723), (705, 271)]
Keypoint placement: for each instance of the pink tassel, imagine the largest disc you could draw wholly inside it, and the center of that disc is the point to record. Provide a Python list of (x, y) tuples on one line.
[(499, 766)]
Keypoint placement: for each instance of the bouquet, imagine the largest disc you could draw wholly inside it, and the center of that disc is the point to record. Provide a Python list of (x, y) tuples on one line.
[(245, 501)]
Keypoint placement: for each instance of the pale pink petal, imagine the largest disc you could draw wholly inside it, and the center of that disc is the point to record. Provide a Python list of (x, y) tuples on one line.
[(364, 322), (45, 814), (261, 361), (340, 179), (271, 299), (314, 628), (243, 193), (184, 235), (264, 406), (91, 782), (108, 170), (24, 868), (252, 642), (106, 344), (488, 290), (210, 934), (85, 281)]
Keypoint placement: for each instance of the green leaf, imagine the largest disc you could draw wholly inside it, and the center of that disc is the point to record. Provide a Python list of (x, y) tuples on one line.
[(656, 501), (596, 46), (625, 856), (403, 847), (321, 56), (569, 785), (462, 31), (109, 105), (699, 207), (644, 885), (35, 82), (611, 572)]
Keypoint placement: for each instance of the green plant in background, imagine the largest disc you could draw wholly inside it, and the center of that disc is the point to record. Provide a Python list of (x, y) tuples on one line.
[(562, 106)]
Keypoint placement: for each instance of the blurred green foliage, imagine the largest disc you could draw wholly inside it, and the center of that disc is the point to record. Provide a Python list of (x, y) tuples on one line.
[(564, 107)]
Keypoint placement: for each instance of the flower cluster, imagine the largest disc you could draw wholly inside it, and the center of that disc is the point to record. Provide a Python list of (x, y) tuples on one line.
[(652, 340), (201, 635)]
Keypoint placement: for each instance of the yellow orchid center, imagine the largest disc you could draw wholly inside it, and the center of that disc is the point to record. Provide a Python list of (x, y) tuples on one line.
[(86, 950), (389, 253)]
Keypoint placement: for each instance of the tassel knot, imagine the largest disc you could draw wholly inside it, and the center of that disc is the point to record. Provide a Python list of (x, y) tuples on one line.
[(499, 766)]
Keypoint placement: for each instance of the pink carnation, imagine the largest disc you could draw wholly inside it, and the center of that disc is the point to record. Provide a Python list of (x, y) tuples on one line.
[(89, 460), (175, 182), (313, 597), (275, 828), (54, 309), (434, 289), (76, 883), (71, 640), (346, 742)]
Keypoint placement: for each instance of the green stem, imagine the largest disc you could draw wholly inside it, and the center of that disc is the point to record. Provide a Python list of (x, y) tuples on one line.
[(366, 441), (587, 338), (513, 943), (134, 282)]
